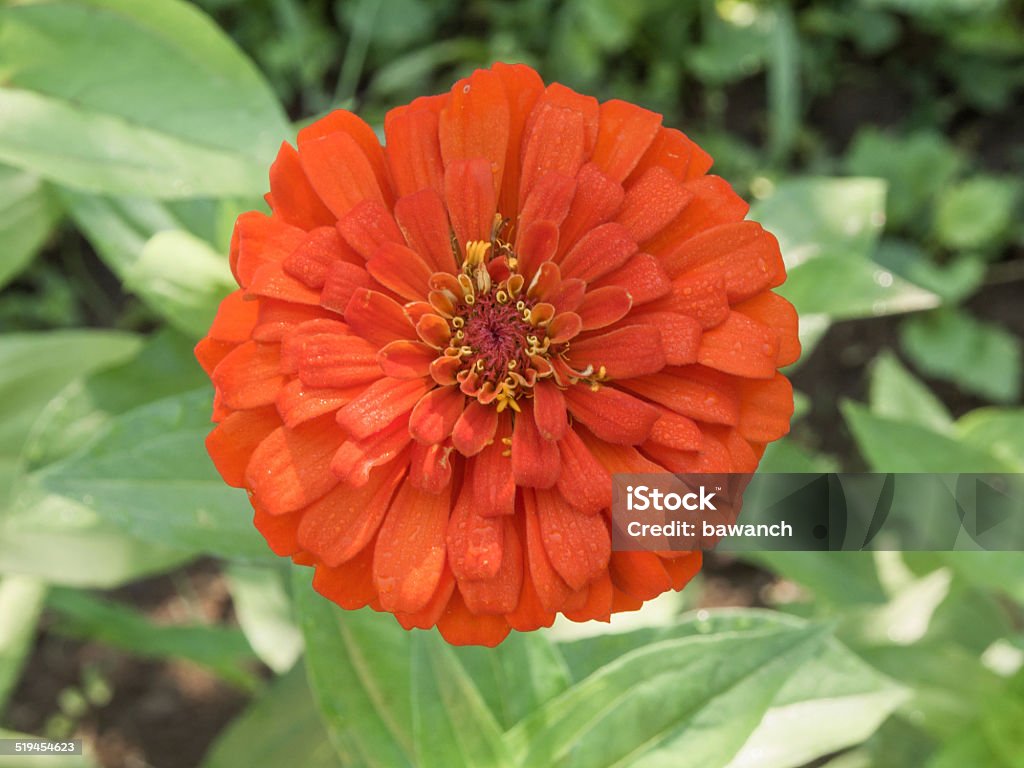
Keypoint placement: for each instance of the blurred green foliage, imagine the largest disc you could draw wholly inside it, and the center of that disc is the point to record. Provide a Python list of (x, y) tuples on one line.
[(878, 139)]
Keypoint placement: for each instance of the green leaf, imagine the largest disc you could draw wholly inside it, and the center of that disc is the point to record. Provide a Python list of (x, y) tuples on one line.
[(451, 723), (146, 473), (184, 278), (976, 213), (21, 602), (281, 727), (1000, 431), (221, 650), (895, 393), (979, 357), (891, 445), (916, 168), (785, 455), (28, 213), (359, 668), (841, 579), (952, 282), (264, 610), (692, 701), (133, 98)]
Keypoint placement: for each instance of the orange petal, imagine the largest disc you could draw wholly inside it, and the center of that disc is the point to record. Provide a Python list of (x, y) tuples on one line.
[(766, 408), (680, 335), (291, 467), (343, 121), (259, 239), (472, 202), (676, 431), (406, 359), (474, 428), (410, 552), (772, 310), (652, 202), (699, 295), (639, 574), (551, 589), (583, 482), (271, 281), (350, 585), (380, 404), (334, 360), (459, 626), (235, 318), (740, 346), (549, 410), (342, 282), (694, 391), (624, 134), (475, 123), (673, 150), (603, 306), (367, 227), (413, 150), (424, 222), (298, 403), (311, 261), (578, 545), (378, 318), (401, 269), (634, 350), (549, 200), (494, 485), (354, 460), (294, 198), (474, 540), (611, 414), (232, 442), (435, 414), (428, 616), (498, 594), (598, 605), (523, 87), (250, 375), (430, 467), (339, 171), (597, 200), (558, 95), (714, 203), (598, 252), (682, 569), (555, 142), (341, 524), (536, 246), (280, 531), (535, 461)]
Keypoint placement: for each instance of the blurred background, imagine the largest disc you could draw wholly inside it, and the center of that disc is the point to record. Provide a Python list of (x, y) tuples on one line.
[(881, 140)]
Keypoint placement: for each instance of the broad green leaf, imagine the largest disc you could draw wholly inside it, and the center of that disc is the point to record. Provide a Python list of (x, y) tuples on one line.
[(42, 761), (848, 287), (221, 650), (1001, 572), (518, 676), (21, 602), (451, 723), (979, 357), (28, 213), (890, 445), (692, 701), (895, 393), (146, 473), (183, 277), (281, 727), (264, 610), (786, 455), (976, 213), (819, 216), (952, 281), (997, 430), (359, 668), (916, 167), (968, 746), (123, 97)]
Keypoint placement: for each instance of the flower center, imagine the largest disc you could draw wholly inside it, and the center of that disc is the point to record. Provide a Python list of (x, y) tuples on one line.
[(503, 335)]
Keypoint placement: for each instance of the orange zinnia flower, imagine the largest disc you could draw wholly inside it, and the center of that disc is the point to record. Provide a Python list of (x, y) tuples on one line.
[(443, 348)]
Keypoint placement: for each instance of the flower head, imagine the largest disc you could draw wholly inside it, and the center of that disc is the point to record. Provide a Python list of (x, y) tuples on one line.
[(443, 348)]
